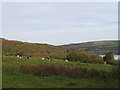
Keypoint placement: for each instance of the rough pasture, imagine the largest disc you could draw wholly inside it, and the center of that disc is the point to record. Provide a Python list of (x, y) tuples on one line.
[(11, 73)]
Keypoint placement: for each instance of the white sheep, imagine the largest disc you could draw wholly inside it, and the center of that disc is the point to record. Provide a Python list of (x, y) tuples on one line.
[(66, 60), (17, 55), (43, 58)]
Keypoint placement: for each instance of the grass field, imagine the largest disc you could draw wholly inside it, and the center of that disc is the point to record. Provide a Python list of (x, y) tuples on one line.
[(13, 78)]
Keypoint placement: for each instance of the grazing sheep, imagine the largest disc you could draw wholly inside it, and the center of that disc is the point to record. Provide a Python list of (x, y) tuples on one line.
[(47, 58), (19, 56), (29, 57), (43, 58), (66, 60), (50, 59)]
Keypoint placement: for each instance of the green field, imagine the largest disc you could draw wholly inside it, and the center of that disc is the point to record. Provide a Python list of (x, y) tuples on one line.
[(13, 78)]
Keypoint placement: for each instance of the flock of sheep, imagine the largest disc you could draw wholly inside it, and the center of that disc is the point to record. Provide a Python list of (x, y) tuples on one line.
[(44, 58)]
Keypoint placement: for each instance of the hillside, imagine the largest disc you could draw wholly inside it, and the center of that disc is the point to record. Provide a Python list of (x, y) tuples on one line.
[(10, 47), (98, 47)]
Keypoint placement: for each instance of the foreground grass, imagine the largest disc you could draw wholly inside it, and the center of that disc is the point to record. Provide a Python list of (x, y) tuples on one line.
[(19, 80), (13, 78)]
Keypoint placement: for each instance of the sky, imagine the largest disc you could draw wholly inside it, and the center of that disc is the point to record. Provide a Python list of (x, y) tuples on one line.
[(59, 23)]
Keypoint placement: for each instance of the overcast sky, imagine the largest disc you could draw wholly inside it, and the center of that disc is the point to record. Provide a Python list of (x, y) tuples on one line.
[(60, 23)]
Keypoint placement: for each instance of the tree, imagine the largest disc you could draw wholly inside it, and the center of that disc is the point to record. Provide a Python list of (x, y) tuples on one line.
[(109, 56), (84, 57), (72, 57)]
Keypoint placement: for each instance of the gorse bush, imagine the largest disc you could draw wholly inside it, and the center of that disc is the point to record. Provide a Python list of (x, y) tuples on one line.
[(84, 57), (112, 62), (109, 56), (43, 69), (53, 69)]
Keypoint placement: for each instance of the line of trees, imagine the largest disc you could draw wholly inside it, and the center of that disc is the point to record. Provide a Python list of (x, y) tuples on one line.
[(84, 57)]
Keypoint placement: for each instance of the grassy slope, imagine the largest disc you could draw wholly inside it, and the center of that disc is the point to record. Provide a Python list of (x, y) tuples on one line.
[(12, 78)]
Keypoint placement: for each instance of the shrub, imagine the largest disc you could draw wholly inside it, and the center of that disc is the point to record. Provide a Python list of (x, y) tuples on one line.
[(112, 62), (73, 57), (77, 72), (43, 69), (109, 56), (118, 61), (84, 57), (53, 69)]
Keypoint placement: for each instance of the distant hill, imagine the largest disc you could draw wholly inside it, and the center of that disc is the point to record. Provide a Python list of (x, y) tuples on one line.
[(11, 47), (98, 47)]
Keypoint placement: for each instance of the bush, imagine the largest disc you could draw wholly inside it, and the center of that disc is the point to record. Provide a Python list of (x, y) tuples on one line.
[(112, 62), (43, 69), (73, 57), (118, 61), (53, 69), (84, 57), (109, 56)]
